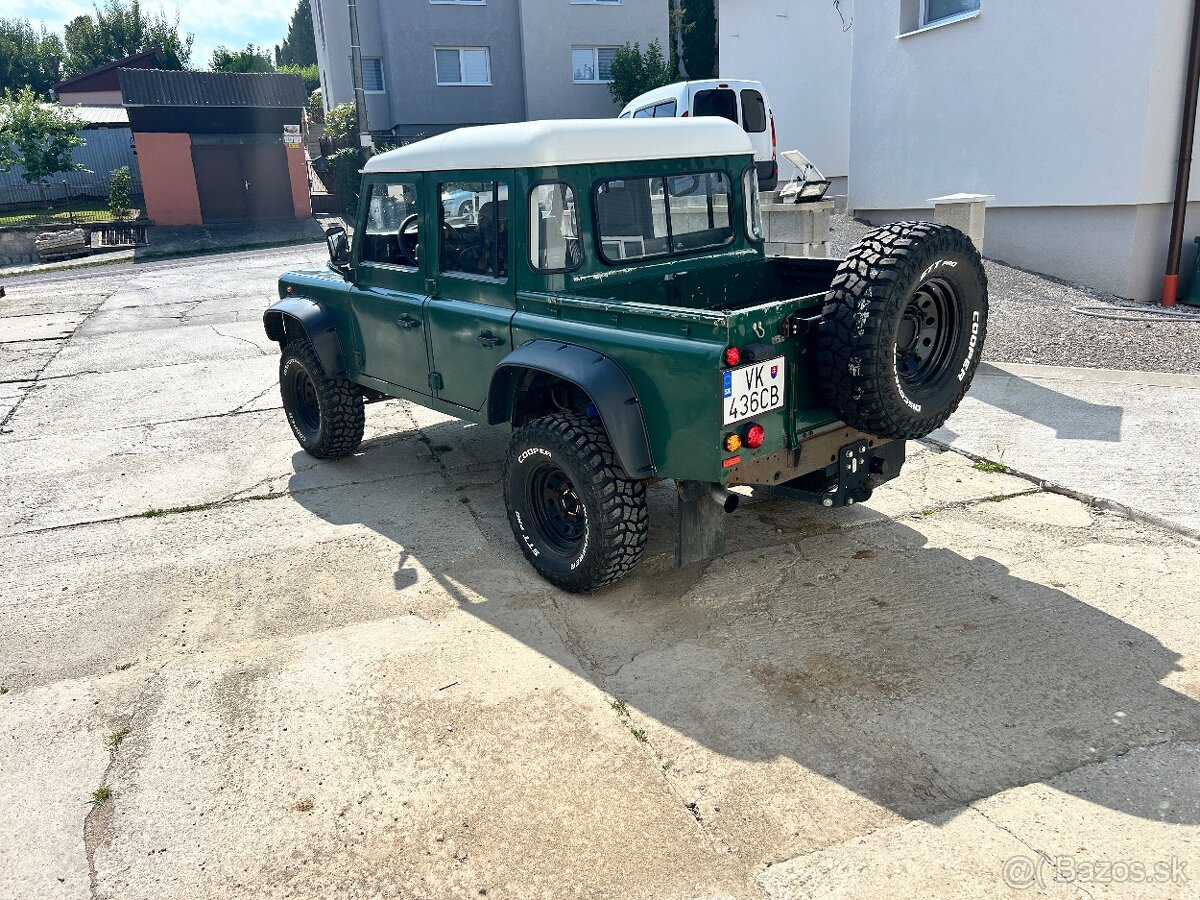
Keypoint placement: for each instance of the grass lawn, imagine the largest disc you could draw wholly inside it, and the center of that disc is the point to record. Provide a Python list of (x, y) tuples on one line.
[(58, 215)]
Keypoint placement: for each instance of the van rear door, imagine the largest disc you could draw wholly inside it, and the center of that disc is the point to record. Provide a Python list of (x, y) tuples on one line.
[(747, 107)]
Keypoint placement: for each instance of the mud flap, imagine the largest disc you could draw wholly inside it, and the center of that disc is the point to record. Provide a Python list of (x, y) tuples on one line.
[(700, 533)]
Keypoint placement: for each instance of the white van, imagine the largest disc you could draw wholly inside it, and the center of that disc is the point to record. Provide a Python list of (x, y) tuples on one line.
[(744, 102)]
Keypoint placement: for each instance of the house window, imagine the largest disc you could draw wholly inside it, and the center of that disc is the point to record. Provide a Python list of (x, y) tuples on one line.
[(935, 11), (592, 65), (463, 65), (372, 74)]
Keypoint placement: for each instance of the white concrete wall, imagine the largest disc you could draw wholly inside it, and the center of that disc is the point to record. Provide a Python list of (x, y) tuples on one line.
[(800, 52)]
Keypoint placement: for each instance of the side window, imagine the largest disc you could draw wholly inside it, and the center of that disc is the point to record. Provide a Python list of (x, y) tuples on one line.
[(554, 228), (753, 211), (660, 216), (474, 228), (390, 232), (665, 110), (646, 112), (632, 219), (754, 112), (699, 209)]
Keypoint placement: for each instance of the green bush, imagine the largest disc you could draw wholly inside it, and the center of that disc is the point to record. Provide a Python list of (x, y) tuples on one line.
[(344, 167), (118, 192), (341, 124), (312, 78), (316, 106), (634, 72)]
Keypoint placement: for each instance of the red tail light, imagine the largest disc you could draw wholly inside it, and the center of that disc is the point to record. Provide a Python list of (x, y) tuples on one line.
[(755, 436), (733, 356), (685, 114), (774, 142)]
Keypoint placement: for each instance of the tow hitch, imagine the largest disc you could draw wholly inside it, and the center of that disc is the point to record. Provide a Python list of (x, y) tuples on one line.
[(849, 480)]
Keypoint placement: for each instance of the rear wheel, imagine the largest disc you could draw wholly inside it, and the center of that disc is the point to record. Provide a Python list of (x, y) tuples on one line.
[(326, 414), (579, 520), (902, 329)]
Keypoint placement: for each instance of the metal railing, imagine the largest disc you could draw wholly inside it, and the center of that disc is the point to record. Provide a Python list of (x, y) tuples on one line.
[(57, 203)]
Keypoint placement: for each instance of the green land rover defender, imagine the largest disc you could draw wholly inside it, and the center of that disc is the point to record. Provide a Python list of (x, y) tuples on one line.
[(600, 289)]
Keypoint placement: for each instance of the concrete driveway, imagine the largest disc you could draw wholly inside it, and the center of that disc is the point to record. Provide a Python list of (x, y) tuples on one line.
[(288, 678)]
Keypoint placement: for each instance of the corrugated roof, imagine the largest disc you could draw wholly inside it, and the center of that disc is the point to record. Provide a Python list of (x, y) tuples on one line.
[(83, 81), (157, 87)]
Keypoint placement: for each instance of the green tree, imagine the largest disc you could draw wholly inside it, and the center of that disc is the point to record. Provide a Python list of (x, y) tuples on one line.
[(316, 106), (251, 59), (118, 192), (635, 71), (312, 78), (341, 124), (38, 137), (299, 48), (698, 32), (28, 57), (120, 28)]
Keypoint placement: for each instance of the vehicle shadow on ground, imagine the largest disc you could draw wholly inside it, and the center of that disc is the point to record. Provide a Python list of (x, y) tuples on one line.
[(1070, 417), (917, 677)]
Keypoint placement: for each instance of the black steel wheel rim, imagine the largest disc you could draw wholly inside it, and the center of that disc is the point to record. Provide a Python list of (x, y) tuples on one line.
[(557, 509), (304, 402), (925, 338)]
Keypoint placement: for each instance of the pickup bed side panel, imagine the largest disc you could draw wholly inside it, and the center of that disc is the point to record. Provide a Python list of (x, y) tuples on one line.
[(676, 380)]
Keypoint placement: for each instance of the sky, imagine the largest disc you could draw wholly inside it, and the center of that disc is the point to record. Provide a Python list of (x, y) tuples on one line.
[(233, 23)]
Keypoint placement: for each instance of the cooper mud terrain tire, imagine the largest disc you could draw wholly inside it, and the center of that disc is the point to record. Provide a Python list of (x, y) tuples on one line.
[(902, 329), (326, 414), (579, 520)]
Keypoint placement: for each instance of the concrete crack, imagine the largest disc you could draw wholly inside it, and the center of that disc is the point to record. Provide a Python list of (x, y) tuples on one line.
[(261, 351)]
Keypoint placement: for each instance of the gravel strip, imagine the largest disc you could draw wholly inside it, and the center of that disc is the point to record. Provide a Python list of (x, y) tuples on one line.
[(1033, 320)]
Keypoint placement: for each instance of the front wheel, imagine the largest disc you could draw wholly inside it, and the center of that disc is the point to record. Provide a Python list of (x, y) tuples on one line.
[(578, 518), (903, 328), (326, 414)]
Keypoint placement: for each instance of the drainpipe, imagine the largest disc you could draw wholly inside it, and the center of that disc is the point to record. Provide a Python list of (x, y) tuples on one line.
[(360, 95), (1187, 134)]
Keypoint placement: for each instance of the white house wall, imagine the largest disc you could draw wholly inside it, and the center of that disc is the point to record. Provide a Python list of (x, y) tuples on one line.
[(800, 52)]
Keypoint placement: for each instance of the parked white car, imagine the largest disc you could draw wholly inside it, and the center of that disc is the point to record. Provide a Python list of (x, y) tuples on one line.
[(743, 102)]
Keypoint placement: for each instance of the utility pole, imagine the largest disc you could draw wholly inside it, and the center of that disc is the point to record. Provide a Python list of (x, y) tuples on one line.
[(366, 148)]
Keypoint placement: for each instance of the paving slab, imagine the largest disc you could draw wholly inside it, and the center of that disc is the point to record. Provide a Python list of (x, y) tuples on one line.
[(1104, 433)]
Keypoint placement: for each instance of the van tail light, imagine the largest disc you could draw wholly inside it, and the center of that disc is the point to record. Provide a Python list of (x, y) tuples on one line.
[(755, 436), (685, 114), (774, 141)]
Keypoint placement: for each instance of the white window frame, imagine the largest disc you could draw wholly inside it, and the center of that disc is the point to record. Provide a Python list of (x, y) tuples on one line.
[(487, 55), (926, 22), (459, 3), (595, 3), (595, 63), (382, 76)]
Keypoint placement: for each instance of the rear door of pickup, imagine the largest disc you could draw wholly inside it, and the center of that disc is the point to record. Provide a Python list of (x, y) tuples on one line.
[(472, 296), (388, 297)]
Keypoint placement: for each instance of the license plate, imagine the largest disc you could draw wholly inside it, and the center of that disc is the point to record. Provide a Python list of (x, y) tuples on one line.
[(753, 389)]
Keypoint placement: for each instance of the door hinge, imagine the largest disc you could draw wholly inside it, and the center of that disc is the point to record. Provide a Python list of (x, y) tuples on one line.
[(357, 359), (435, 380)]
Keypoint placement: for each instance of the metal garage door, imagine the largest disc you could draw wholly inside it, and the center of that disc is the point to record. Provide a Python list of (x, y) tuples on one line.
[(242, 181)]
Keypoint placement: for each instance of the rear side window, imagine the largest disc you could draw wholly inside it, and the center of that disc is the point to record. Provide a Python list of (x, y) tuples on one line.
[(716, 102), (754, 112), (646, 112), (665, 110), (637, 218), (554, 228), (473, 232)]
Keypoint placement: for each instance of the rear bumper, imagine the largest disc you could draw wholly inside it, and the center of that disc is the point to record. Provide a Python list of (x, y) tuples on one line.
[(820, 470)]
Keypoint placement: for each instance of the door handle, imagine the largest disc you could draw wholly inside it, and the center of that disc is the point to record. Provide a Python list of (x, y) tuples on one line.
[(408, 323), (489, 340)]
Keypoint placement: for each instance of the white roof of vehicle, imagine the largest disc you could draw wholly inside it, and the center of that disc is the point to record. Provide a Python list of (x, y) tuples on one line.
[(680, 88), (564, 142)]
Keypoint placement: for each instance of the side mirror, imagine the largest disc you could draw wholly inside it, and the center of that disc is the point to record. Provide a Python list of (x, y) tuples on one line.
[(339, 249)]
